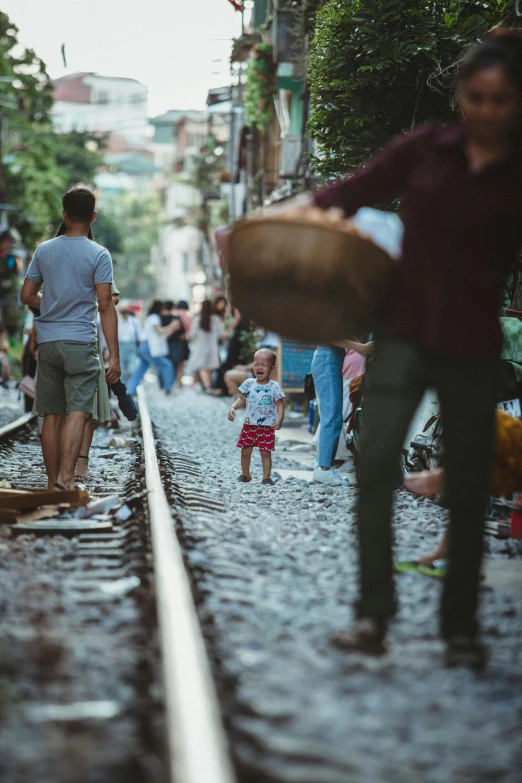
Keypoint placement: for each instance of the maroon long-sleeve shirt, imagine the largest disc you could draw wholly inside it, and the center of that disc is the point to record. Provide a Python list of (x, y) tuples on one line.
[(462, 234)]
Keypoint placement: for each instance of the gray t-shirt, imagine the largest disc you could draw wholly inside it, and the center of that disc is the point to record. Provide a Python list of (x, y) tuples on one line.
[(69, 268)]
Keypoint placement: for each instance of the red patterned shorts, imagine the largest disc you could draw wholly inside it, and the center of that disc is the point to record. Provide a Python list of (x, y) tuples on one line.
[(253, 436)]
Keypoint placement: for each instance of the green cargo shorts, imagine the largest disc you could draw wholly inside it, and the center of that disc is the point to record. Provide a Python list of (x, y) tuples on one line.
[(67, 377)]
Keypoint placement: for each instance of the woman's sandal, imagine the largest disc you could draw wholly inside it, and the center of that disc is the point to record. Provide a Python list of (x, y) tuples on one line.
[(82, 478), (61, 487)]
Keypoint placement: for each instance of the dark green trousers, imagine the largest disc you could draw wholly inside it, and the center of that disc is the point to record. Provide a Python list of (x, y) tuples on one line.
[(396, 378)]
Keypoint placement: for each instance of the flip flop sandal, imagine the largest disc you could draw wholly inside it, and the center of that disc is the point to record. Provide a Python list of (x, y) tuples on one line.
[(82, 478), (413, 566)]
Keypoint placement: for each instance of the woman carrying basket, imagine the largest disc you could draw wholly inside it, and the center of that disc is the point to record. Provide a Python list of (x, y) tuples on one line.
[(461, 188)]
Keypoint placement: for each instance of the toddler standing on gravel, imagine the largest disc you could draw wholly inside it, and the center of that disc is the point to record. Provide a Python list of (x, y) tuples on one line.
[(265, 411)]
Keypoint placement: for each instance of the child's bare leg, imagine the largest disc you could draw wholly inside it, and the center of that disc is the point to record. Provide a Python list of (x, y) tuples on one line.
[(246, 456), (441, 553), (266, 459)]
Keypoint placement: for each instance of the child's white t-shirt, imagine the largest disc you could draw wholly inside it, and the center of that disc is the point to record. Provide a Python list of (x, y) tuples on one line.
[(261, 408)]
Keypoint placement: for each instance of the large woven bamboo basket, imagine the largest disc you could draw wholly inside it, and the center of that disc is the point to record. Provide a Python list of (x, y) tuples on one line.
[(304, 281)]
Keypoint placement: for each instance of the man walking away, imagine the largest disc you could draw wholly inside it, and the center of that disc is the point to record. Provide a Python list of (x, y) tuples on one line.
[(74, 271)]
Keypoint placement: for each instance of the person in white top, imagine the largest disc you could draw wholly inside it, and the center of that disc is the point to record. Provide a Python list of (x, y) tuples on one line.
[(207, 331), (129, 337), (154, 350)]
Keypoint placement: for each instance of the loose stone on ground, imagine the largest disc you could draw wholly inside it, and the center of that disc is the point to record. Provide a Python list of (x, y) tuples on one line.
[(276, 575)]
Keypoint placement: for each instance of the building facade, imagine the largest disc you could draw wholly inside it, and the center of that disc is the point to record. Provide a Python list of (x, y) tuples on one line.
[(91, 102)]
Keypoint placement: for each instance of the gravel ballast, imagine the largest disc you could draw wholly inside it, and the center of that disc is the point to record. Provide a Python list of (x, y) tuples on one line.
[(80, 694), (275, 576)]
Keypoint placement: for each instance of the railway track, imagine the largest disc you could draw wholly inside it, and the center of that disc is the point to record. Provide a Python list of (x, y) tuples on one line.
[(103, 672), (104, 657)]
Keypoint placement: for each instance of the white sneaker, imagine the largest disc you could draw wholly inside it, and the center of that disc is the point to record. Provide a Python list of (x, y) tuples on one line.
[(328, 477)]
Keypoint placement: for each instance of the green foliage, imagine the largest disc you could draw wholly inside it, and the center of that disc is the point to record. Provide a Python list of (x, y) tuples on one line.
[(80, 154), (260, 87), (378, 67), (34, 183), (31, 92), (136, 223), (107, 230), (32, 179), (204, 171), (39, 164), (248, 343)]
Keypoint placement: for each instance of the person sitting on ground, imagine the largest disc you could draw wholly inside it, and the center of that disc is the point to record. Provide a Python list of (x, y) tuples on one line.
[(265, 411), (506, 476), (235, 377), (239, 326), (74, 271)]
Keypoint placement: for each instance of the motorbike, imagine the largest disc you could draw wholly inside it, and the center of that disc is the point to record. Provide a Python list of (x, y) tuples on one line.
[(423, 445)]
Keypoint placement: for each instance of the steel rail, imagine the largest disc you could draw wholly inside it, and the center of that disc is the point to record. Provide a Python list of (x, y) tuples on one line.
[(15, 425), (197, 745)]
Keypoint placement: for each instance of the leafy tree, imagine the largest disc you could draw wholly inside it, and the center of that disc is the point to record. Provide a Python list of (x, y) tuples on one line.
[(80, 154), (39, 164), (30, 177), (260, 87), (137, 223), (378, 67), (108, 231)]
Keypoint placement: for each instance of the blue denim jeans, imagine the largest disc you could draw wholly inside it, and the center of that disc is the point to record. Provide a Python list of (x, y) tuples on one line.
[(162, 364), (327, 372), (128, 360)]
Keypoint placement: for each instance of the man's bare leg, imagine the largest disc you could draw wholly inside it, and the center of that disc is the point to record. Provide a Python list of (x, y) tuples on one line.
[(81, 469), (52, 426), (72, 436)]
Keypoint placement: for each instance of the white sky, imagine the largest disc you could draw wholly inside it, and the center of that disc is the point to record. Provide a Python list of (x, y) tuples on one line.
[(170, 45)]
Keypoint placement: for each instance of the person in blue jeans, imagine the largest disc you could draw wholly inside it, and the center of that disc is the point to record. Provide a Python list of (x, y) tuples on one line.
[(154, 350), (327, 372)]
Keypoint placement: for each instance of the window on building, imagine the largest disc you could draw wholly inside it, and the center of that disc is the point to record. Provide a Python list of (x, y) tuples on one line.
[(103, 96)]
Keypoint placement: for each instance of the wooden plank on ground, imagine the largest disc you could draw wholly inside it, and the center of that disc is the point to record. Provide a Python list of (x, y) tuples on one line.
[(26, 500)]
